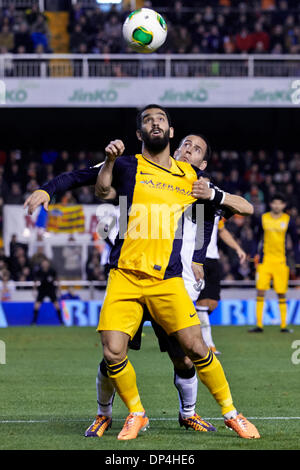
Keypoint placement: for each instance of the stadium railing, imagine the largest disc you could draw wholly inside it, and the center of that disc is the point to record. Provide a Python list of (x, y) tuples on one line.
[(155, 65)]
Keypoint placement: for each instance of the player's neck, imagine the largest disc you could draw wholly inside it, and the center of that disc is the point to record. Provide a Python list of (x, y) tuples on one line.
[(275, 215), (161, 158)]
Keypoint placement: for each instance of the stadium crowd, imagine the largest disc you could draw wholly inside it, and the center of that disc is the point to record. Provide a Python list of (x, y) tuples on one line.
[(24, 31), (219, 26), (254, 175)]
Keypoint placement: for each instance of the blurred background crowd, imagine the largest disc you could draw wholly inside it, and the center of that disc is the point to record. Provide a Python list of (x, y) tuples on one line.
[(254, 175), (218, 26)]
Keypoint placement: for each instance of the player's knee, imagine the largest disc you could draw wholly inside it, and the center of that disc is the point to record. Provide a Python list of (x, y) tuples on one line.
[(212, 305), (114, 348), (182, 363), (112, 355), (197, 350), (193, 344)]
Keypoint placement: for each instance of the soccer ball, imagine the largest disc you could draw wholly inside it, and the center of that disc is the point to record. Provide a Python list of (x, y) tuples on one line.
[(144, 30)]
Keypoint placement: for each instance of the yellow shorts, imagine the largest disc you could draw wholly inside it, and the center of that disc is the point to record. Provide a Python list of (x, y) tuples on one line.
[(278, 272), (126, 294)]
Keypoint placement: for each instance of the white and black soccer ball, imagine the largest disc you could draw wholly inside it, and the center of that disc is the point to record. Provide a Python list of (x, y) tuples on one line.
[(145, 30)]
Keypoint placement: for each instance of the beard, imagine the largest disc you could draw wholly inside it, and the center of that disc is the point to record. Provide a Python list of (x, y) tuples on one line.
[(156, 143)]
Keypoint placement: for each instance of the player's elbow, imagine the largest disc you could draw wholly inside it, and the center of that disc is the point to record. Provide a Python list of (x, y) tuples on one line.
[(245, 208), (101, 192), (249, 209)]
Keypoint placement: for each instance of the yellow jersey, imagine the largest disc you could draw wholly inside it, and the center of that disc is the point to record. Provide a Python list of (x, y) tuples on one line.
[(274, 230)]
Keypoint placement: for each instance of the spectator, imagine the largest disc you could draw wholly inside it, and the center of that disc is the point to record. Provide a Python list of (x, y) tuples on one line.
[(244, 41), (6, 38), (177, 16), (208, 16), (15, 195), (85, 196), (61, 162), (113, 28), (268, 5), (181, 38), (277, 38), (23, 40), (40, 33), (260, 37), (4, 188), (32, 14), (77, 38), (7, 286), (214, 41)]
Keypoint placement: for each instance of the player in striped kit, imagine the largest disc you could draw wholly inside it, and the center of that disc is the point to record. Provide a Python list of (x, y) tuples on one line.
[(209, 297)]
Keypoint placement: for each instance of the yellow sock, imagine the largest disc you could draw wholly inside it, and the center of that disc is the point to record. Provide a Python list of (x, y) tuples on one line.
[(123, 377), (259, 311), (211, 374), (283, 312)]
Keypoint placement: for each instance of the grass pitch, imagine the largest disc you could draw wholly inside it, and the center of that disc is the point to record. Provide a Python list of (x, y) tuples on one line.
[(48, 396)]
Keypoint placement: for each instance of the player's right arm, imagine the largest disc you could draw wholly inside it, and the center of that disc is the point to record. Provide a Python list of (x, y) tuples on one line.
[(228, 239), (257, 236), (104, 189)]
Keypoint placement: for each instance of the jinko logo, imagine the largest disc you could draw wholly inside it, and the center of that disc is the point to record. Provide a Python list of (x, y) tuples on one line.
[(2, 92)]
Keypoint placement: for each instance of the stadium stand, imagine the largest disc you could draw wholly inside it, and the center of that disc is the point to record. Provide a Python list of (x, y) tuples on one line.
[(255, 175), (223, 27)]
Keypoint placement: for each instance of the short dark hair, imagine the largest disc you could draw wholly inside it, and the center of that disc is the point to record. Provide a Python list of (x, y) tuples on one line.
[(155, 106), (278, 196), (208, 147)]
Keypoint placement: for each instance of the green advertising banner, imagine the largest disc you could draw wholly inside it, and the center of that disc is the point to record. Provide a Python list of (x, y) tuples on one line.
[(127, 92)]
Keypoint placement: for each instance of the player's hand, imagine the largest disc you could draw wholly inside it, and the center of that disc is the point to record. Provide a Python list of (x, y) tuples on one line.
[(201, 190), (242, 255), (198, 271), (36, 199), (256, 260), (114, 149)]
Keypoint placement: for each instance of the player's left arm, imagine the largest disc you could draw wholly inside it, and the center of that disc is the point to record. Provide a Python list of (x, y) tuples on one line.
[(292, 231), (207, 191), (198, 271)]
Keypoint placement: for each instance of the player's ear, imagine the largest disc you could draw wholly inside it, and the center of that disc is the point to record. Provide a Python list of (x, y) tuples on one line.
[(203, 165), (138, 134), (171, 132)]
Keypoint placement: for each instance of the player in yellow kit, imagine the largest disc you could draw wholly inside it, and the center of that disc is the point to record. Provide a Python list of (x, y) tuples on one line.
[(274, 226)]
